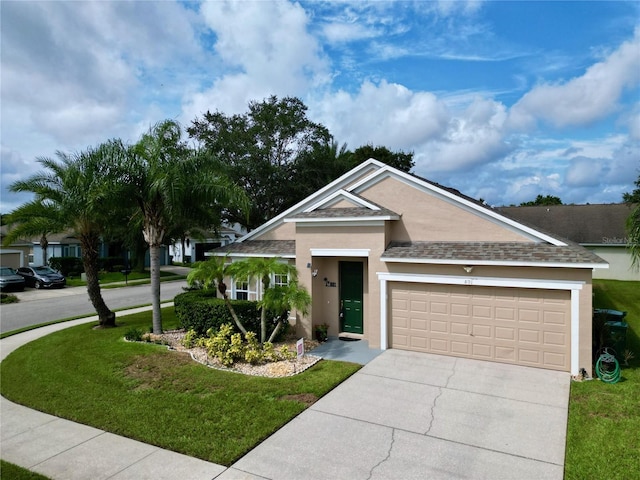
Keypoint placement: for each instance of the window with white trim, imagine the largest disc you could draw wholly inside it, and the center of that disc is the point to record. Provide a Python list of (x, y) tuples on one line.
[(244, 289), (280, 280)]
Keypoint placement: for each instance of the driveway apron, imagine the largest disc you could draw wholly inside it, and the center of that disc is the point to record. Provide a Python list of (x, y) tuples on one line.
[(414, 416)]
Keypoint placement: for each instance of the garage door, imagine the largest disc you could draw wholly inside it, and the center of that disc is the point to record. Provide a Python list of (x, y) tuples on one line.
[(511, 325), (10, 259)]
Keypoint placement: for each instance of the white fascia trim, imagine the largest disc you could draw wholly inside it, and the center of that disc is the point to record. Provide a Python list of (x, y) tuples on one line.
[(573, 286), (498, 263), (469, 206), (330, 222), (575, 331), (339, 183), (341, 193), (340, 252), (253, 255), (481, 281)]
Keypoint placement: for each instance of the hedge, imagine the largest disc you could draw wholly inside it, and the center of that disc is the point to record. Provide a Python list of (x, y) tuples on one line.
[(68, 266), (200, 310)]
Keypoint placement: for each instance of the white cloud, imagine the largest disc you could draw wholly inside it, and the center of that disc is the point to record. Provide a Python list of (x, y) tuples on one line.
[(585, 99), (382, 114), (265, 48), (341, 32)]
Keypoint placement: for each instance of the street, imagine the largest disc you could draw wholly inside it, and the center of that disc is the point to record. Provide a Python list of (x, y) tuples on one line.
[(41, 306)]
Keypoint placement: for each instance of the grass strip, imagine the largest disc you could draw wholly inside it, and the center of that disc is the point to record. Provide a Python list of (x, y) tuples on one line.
[(145, 392), (603, 439), (53, 322), (9, 471)]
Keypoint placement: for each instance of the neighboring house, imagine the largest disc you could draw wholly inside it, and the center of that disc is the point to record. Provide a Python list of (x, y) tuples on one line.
[(29, 252), (405, 263), (15, 255), (60, 245), (599, 228), (195, 249)]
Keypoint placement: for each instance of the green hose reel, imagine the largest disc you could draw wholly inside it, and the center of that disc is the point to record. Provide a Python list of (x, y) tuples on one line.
[(607, 367)]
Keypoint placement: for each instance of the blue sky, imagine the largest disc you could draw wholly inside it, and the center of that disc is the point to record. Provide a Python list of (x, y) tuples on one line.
[(501, 100)]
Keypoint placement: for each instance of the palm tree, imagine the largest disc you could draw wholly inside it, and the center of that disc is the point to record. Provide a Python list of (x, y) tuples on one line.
[(262, 269), (281, 299), (210, 274), (633, 224), (163, 176), (79, 194)]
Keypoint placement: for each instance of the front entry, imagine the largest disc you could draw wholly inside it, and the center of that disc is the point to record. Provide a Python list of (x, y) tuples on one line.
[(351, 288)]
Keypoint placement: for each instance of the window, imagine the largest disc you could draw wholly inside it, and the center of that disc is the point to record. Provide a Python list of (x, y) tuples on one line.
[(244, 289), (280, 280)]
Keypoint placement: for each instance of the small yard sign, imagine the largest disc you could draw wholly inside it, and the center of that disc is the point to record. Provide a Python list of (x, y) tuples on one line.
[(300, 348)]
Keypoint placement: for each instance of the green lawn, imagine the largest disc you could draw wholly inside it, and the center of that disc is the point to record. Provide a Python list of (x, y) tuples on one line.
[(603, 435), (9, 471), (113, 277), (145, 392)]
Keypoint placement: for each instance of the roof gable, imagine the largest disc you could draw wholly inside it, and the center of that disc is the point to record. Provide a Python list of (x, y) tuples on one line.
[(350, 186)]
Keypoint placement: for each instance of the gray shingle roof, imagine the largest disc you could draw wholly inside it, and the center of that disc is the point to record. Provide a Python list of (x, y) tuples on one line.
[(585, 224), (349, 212), (519, 252), (270, 248)]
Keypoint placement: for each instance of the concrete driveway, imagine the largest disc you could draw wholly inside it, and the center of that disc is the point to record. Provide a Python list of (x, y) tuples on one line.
[(411, 415)]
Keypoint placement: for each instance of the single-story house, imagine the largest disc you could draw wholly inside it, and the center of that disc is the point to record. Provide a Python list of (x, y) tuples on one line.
[(194, 249), (409, 264), (599, 228)]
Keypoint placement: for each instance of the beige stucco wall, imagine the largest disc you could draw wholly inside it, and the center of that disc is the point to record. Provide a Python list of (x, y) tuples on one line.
[(426, 217), (619, 264), (342, 204), (284, 231), (326, 299)]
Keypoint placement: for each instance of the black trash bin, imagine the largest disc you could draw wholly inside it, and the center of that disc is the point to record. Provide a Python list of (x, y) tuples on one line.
[(611, 315), (616, 337)]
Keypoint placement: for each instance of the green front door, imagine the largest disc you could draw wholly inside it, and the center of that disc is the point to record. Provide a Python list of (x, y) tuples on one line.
[(351, 279)]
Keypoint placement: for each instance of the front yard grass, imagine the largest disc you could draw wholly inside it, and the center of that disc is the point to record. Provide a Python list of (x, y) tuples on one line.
[(145, 392), (134, 277), (603, 434), (9, 471)]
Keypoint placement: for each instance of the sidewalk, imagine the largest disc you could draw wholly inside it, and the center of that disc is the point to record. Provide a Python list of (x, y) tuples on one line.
[(61, 449)]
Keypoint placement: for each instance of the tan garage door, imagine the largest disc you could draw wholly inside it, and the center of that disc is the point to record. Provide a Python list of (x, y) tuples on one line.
[(510, 325)]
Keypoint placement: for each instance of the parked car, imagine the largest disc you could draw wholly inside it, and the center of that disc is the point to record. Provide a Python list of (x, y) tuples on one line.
[(42, 277), (10, 280)]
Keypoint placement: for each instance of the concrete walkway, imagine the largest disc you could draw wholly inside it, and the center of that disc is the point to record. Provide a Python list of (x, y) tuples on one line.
[(403, 415)]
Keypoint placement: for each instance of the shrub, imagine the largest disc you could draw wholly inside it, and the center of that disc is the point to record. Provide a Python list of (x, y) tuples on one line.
[(133, 334), (66, 265), (8, 298), (190, 338), (200, 310), (110, 264), (228, 347)]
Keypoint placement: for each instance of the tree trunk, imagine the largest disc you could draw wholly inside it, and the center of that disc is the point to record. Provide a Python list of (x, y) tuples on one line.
[(275, 331), (44, 243), (263, 325), (154, 257), (222, 288), (89, 245)]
